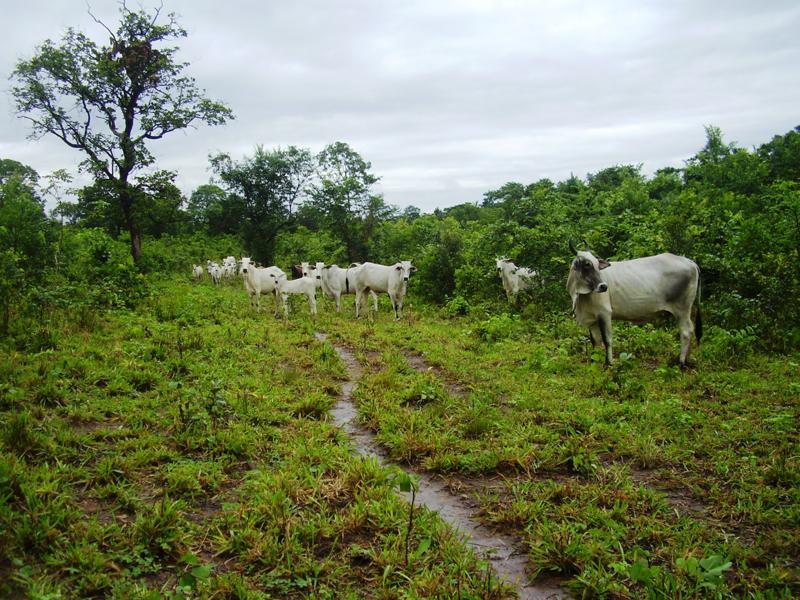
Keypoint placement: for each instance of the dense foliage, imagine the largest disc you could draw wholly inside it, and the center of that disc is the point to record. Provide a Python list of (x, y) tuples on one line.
[(736, 212)]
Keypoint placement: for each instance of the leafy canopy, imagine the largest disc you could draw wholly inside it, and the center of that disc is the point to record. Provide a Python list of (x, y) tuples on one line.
[(110, 100)]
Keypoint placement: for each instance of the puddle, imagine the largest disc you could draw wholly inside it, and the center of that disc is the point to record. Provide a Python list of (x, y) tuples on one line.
[(505, 553)]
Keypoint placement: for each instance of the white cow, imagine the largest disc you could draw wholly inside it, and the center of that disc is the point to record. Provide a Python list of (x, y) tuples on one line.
[(515, 279), (214, 270), (302, 285), (228, 267), (336, 281), (302, 270), (392, 279), (197, 272), (243, 264), (259, 281), (634, 290)]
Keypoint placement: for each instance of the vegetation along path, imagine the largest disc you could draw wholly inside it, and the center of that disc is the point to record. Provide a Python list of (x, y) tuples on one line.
[(508, 559)]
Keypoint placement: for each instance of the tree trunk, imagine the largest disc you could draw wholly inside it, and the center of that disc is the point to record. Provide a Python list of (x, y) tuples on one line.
[(136, 242), (126, 200)]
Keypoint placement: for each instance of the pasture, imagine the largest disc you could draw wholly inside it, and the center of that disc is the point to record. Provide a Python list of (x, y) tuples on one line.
[(184, 449)]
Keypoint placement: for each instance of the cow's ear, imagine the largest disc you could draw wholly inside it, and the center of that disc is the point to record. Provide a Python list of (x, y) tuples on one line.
[(603, 263), (399, 268), (413, 269)]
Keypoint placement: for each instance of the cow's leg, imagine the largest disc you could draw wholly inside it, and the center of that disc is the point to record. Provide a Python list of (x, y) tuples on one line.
[(312, 302), (374, 301), (277, 298), (686, 327), (256, 299), (595, 335), (285, 305), (604, 324), (338, 299), (393, 298)]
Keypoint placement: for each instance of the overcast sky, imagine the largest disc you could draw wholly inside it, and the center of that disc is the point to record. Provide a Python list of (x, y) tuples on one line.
[(449, 99)]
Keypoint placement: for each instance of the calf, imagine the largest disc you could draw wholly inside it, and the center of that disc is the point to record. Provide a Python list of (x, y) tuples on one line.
[(392, 279), (634, 290), (197, 272), (301, 285)]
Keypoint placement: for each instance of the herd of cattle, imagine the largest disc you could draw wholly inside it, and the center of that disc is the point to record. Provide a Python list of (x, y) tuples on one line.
[(632, 290), (359, 279)]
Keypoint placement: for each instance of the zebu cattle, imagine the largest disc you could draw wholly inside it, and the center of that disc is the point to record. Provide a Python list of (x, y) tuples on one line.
[(515, 279), (392, 279), (302, 285), (336, 281), (634, 290), (259, 281), (214, 270)]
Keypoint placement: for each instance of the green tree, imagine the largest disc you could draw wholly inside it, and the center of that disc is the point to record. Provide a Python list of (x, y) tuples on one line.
[(342, 195), (266, 188), (110, 101), (159, 205), (10, 168), (782, 154), (210, 210), (25, 234)]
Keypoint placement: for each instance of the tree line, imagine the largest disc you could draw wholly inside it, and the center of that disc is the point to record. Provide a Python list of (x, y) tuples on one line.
[(735, 211)]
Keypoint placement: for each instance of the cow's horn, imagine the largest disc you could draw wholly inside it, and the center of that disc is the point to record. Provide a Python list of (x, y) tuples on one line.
[(585, 243), (572, 246)]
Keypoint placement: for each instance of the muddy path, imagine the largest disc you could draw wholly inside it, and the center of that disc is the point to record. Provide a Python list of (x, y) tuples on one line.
[(506, 554)]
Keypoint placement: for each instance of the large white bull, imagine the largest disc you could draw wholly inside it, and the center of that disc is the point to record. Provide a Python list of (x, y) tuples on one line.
[(392, 279), (634, 290)]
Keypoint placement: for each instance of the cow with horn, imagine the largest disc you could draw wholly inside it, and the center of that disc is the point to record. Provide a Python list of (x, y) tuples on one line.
[(634, 290)]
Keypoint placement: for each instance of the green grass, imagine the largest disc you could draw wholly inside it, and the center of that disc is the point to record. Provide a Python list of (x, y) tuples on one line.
[(182, 450), (628, 480)]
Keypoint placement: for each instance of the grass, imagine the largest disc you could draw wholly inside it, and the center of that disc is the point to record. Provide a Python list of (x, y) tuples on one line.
[(182, 450), (639, 479)]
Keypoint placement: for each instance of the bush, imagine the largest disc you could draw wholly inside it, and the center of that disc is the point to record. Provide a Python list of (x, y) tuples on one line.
[(457, 306), (499, 327)]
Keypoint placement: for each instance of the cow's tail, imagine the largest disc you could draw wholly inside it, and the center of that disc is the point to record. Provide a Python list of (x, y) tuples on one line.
[(698, 321)]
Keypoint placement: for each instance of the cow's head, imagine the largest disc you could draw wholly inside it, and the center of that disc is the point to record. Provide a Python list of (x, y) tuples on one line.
[(318, 269), (584, 274), (405, 268), (244, 264), (505, 266)]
